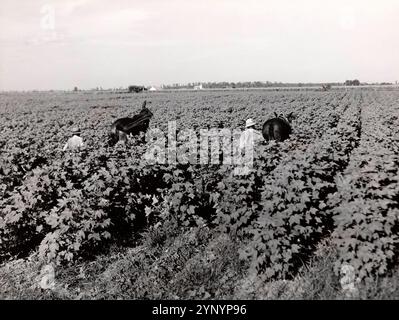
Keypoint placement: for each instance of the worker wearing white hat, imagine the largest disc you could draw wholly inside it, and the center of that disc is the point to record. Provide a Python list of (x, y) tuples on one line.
[(250, 136), (75, 142), (247, 142), (250, 123)]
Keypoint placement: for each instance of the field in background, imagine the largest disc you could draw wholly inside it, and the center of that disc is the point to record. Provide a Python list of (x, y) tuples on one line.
[(118, 228)]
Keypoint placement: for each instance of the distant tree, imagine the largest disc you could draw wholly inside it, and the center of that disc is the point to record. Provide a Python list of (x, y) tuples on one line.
[(75, 89), (352, 82)]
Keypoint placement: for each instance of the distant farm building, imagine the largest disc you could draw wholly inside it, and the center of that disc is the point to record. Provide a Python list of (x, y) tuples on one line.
[(199, 87), (152, 89)]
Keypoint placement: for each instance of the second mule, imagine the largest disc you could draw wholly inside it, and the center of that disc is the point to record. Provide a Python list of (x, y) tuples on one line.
[(278, 128)]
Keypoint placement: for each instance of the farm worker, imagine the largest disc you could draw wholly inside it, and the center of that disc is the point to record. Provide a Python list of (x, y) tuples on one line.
[(246, 145), (47, 281), (250, 136), (75, 141)]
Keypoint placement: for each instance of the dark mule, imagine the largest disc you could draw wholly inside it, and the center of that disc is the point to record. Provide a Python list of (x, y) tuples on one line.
[(278, 128), (123, 127)]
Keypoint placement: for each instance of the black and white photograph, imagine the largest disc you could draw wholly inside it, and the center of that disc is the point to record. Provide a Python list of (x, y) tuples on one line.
[(213, 150)]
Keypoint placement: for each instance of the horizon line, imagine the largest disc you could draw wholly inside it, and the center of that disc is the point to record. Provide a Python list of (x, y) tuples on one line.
[(286, 84)]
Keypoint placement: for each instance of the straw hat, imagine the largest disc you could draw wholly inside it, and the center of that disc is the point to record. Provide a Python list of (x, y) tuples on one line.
[(249, 123), (75, 130)]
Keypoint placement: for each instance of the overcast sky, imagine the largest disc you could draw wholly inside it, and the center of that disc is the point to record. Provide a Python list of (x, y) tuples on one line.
[(59, 44)]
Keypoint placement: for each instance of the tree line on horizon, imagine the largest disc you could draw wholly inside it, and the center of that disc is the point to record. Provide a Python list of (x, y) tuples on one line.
[(247, 84), (265, 84)]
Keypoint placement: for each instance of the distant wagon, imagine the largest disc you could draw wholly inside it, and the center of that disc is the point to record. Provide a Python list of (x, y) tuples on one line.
[(137, 89), (326, 87)]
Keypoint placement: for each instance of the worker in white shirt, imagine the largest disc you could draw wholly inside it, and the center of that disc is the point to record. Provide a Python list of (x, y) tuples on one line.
[(250, 136), (75, 142), (248, 139)]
